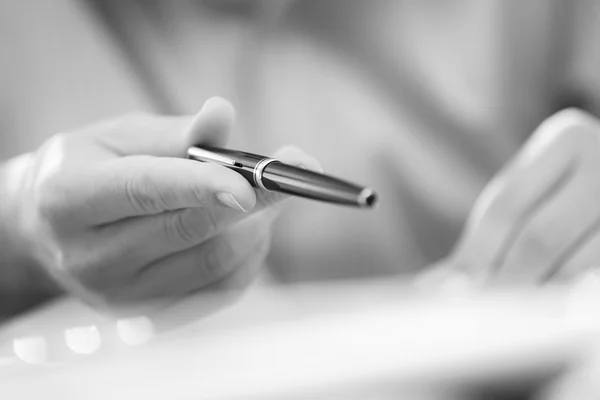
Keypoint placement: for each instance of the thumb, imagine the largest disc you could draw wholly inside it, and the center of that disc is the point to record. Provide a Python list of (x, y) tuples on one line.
[(165, 136), (212, 125)]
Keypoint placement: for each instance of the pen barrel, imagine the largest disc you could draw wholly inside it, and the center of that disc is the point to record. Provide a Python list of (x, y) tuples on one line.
[(271, 174), (296, 181)]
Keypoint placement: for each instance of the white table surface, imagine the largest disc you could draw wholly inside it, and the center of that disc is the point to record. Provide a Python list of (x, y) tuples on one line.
[(276, 342)]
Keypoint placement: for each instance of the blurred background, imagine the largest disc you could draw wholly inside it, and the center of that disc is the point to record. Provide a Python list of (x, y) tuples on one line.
[(422, 100)]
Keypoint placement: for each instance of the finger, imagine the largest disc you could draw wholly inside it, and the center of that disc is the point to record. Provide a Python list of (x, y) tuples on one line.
[(144, 185), (509, 201), (200, 266), (141, 241), (556, 231), (583, 262), (212, 125), (202, 302), (165, 136), (564, 221), (293, 156)]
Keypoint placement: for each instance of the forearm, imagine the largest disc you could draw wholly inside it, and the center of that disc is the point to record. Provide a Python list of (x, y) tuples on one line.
[(23, 283)]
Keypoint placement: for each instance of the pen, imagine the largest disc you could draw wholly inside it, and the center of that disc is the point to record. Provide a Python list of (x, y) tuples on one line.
[(272, 175)]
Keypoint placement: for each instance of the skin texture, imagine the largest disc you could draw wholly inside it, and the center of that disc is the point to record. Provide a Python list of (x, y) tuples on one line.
[(114, 214), (538, 220)]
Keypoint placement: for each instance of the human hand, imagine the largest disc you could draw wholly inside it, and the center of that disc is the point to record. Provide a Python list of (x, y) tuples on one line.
[(115, 216), (539, 218)]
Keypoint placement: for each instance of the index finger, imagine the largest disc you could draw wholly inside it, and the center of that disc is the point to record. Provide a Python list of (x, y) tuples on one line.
[(138, 186), (506, 206), (146, 239)]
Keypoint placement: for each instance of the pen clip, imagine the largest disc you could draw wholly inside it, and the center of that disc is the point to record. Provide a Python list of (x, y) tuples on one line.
[(199, 154)]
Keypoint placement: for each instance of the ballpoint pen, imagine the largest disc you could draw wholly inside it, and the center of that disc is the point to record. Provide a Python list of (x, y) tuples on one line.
[(273, 175)]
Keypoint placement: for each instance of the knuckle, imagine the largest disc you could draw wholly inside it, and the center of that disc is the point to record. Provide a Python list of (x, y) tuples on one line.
[(180, 229), (141, 193)]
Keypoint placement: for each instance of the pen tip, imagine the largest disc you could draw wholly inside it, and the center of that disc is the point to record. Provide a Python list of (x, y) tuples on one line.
[(367, 198)]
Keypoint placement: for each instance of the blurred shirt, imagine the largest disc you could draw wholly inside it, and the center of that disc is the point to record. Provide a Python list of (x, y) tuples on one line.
[(422, 100)]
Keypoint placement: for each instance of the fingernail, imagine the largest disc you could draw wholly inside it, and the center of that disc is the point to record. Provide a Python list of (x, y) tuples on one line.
[(230, 201)]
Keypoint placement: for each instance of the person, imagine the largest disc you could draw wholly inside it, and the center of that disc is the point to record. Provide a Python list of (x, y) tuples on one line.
[(425, 103)]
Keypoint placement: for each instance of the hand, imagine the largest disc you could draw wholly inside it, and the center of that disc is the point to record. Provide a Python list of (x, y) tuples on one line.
[(539, 219), (115, 215)]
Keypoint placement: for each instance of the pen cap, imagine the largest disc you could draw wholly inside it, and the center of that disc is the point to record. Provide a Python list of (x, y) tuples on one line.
[(285, 178)]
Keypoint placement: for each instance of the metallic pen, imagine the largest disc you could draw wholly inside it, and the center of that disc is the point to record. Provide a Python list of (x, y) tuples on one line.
[(275, 176)]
